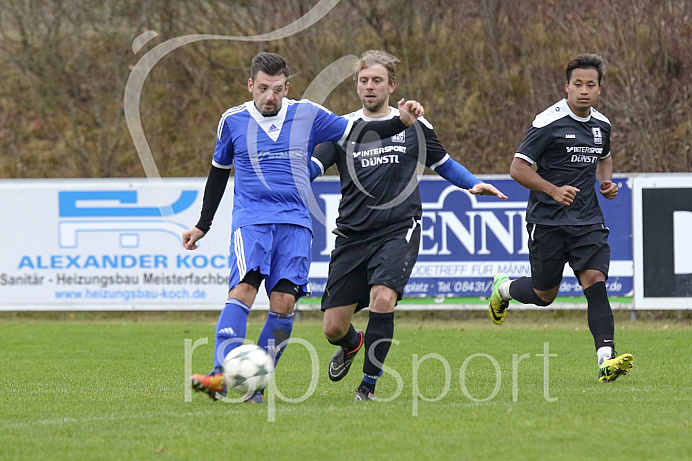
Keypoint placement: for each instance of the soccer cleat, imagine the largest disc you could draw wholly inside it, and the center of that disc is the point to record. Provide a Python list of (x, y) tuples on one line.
[(613, 368), (342, 360), (212, 384), (363, 395), (497, 307), (256, 398)]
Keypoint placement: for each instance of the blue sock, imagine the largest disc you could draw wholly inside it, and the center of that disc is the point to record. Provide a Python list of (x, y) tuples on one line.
[(278, 328), (369, 382), (230, 329)]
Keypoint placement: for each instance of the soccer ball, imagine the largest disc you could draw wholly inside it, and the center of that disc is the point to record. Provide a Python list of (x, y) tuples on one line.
[(247, 369)]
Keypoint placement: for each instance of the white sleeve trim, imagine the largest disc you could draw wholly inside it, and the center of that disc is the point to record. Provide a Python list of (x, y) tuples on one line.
[(524, 157), (319, 164), (444, 159), (218, 165), (347, 131), (425, 122)]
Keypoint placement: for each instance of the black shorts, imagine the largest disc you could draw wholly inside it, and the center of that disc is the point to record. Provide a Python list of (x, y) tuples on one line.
[(383, 257), (550, 247)]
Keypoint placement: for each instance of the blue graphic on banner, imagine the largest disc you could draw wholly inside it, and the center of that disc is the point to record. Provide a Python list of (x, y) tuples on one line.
[(69, 204), (72, 205), (466, 239)]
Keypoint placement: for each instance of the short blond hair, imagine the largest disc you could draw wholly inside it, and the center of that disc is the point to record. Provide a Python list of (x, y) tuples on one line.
[(375, 57)]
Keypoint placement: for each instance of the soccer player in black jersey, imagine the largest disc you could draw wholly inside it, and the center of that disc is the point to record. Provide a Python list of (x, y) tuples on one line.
[(378, 227), (569, 144)]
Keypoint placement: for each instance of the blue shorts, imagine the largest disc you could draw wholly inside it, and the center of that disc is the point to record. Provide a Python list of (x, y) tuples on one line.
[(277, 251)]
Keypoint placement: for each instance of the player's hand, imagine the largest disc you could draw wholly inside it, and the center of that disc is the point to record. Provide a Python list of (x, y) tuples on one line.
[(487, 189), (190, 238), (409, 111), (565, 195), (609, 189)]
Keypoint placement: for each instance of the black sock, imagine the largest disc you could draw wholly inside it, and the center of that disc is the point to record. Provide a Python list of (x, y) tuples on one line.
[(381, 331), (521, 289), (367, 387), (350, 340), (600, 315)]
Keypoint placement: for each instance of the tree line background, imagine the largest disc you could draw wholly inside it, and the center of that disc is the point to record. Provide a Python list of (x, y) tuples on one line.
[(482, 68)]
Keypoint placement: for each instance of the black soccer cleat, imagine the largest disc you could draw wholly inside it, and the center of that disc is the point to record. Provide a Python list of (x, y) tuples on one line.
[(363, 395), (256, 398), (342, 360)]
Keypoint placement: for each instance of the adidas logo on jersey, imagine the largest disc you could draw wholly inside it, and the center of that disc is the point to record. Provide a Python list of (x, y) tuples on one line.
[(272, 129), (401, 137)]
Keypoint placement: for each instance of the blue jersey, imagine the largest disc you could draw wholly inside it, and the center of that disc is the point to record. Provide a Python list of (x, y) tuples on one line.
[(270, 156)]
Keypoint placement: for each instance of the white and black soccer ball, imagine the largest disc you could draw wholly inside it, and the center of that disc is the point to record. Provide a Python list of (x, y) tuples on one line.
[(247, 369)]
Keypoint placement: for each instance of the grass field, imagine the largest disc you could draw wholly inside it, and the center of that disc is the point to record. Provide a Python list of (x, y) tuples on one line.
[(114, 387)]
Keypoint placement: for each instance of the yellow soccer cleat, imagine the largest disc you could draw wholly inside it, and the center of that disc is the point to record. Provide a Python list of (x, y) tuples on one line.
[(611, 369), (497, 307)]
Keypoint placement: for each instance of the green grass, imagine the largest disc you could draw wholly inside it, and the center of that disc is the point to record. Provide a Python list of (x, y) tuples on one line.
[(114, 388)]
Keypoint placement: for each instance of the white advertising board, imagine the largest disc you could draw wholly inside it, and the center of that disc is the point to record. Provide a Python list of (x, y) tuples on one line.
[(663, 241), (111, 244)]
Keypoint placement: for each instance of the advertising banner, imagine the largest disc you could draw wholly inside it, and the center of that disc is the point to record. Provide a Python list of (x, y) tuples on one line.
[(110, 245), (663, 257), (115, 244), (467, 239)]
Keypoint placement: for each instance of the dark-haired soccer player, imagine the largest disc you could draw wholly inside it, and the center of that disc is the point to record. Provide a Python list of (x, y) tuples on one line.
[(268, 141), (569, 144), (378, 232)]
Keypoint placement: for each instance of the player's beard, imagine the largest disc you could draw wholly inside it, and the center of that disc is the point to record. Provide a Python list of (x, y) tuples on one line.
[(374, 106), (271, 114), (268, 113)]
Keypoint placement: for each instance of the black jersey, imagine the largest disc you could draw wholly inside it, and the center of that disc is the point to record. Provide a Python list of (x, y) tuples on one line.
[(566, 150), (379, 179)]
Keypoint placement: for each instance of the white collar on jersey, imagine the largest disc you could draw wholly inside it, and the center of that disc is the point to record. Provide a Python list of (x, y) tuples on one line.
[(393, 112), (575, 116), (271, 125)]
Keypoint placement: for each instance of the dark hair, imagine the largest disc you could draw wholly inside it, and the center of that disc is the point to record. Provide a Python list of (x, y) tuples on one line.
[(374, 57), (586, 61), (269, 63)]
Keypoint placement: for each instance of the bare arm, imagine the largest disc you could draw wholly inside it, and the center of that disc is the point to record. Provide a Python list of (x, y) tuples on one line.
[(604, 174), (523, 173)]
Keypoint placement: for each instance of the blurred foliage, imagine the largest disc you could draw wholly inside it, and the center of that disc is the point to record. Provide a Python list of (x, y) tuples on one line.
[(483, 69)]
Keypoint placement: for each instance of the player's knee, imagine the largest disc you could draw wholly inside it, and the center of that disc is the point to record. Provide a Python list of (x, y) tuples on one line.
[(244, 292), (542, 302), (334, 331), (282, 299), (382, 299), (282, 303), (545, 298)]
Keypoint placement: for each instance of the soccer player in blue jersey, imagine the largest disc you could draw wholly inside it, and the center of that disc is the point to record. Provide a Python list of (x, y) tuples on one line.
[(378, 232), (268, 141), (569, 144)]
